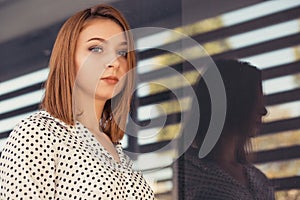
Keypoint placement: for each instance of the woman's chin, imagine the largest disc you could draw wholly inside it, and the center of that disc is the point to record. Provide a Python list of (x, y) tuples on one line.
[(103, 97), (255, 132)]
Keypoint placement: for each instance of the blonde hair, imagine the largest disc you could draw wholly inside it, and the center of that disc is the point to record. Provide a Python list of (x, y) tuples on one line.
[(59, 85)]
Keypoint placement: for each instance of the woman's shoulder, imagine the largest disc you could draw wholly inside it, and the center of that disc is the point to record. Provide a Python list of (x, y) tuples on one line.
[(260, 182), (30, 135), (40, 123), (199, 172), (44, 120), (257, 173)]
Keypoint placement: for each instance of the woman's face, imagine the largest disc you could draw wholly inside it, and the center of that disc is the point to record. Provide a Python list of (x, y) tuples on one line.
[(259, 111), (101, 58)]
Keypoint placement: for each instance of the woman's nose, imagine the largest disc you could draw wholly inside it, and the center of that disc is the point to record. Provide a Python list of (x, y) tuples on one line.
[(113, 60), (114, 63), (264, 111)]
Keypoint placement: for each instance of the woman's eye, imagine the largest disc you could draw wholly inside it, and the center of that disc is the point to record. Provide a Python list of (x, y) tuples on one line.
[(122, 53), (96, 49)]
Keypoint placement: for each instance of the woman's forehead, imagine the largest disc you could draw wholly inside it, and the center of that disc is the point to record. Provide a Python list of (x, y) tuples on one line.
[(105, 29)]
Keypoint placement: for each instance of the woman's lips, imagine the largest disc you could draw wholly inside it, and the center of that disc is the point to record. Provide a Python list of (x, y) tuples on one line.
[(110, 80)]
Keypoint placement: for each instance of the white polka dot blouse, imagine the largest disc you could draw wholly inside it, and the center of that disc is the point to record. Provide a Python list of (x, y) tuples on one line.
[(44, 158)]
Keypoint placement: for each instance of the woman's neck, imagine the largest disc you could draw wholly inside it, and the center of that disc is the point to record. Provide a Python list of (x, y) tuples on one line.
[(88, 111), (224, 151), (225, 156)]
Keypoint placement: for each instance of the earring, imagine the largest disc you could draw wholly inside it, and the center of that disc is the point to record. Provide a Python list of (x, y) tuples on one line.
[(105, 123)]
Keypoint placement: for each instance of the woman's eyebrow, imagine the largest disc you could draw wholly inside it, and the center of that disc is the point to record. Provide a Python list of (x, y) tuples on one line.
[(98, 39), (124, 43)]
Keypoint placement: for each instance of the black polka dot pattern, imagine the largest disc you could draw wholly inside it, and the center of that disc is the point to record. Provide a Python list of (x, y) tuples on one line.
[(45, 158)]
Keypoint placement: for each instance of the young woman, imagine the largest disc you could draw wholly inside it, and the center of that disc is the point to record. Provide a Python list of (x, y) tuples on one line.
[(225, 173), (71, 148)]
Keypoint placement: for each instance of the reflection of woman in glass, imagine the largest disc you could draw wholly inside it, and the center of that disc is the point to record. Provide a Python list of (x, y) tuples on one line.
[(225, 173), (71, 149)]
